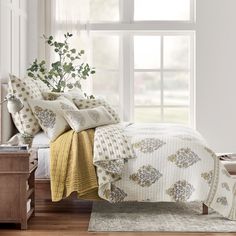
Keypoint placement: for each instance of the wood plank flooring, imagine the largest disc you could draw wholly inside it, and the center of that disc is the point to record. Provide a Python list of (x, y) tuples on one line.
[(70, 218)]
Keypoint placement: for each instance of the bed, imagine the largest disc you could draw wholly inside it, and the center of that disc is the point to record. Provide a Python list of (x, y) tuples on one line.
[(143, 162)]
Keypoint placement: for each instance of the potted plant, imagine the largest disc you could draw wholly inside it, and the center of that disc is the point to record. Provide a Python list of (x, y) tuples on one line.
[(66, 72)]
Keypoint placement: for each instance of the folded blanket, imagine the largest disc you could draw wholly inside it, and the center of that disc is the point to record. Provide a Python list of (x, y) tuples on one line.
[(71, 166)]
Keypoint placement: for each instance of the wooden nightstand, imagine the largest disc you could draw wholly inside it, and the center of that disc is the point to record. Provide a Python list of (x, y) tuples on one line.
[(17, 187)]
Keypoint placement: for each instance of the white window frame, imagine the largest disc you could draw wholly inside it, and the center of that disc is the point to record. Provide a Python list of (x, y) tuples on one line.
[(127, 78), (126, 28)]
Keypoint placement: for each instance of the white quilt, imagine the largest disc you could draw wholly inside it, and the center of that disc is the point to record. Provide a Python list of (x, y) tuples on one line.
[(160, 162)]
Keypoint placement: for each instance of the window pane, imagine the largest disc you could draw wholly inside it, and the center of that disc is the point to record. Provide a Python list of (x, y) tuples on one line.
[(104, 10), (176, 52), (106, 52), (176, 115), (162, 10), (106, 85), (70, 12), (147, 88), (147, 114), (176, 88), (147, 52)]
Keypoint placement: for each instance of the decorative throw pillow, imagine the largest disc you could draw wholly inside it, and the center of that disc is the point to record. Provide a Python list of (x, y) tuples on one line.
[(88, 118), (92, 103), (69, 95), (24, 120), (41, 86), (50, 116)]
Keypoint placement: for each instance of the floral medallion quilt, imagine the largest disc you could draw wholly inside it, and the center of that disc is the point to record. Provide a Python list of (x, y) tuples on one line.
[(161, 163)]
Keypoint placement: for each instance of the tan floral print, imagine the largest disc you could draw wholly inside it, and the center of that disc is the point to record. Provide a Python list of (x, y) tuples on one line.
[(184, 158), (208, 176), (146, 176), (222, 200), (148, 145), (181, 191), (94, 115), (46, 117), (115, 194)]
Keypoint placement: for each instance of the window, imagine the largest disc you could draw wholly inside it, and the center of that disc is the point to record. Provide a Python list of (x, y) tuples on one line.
[(161, 77), (143, 51), (162, 10)]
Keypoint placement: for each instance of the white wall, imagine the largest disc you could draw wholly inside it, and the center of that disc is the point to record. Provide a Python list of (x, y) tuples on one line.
[(13, 37), (216, 73)]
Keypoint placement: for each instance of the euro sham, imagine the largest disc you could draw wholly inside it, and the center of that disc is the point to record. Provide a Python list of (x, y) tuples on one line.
[(24, 89)]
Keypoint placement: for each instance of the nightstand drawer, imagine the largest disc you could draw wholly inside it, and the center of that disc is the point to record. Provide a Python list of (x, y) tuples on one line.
[(11, 162), (23, 161)]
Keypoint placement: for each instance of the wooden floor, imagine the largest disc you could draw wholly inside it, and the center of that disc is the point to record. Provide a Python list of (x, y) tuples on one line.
[(67, 219)]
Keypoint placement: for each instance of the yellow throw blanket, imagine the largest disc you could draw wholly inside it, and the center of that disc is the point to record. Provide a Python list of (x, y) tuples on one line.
[(71, 166)]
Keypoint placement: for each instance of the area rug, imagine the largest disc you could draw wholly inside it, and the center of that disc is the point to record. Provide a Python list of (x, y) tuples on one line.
[(158, 217)]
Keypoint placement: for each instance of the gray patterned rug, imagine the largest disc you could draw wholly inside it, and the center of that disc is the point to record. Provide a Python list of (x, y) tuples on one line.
[(172, 217)]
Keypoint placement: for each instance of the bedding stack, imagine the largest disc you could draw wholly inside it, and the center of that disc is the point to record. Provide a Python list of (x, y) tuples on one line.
[(47, 115), (56, 113)]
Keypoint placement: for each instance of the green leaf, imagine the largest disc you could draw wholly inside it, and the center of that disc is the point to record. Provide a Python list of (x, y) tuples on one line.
[(60, 72), (30, 74)]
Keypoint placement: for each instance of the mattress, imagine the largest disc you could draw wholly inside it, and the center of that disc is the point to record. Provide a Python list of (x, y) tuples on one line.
[(43, 170), (41, 142)]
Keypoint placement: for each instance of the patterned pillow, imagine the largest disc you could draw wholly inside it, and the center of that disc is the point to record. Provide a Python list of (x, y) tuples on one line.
[(69, 95), (42, 86), (92, 103), (50, 116), (88, 118), (24, 120)]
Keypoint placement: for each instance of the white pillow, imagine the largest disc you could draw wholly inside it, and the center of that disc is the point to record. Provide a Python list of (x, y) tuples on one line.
[(50, 116), (41, 85), (92, 103), (88, 118)]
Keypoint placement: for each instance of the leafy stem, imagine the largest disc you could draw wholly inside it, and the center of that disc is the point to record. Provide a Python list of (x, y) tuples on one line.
[(67, 71)]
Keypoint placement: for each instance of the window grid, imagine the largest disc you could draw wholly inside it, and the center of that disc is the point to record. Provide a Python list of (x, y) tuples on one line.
[(127, 28), (163, 70)]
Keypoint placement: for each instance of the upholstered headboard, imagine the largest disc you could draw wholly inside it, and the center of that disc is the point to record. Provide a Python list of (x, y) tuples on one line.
[(8, 128)]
